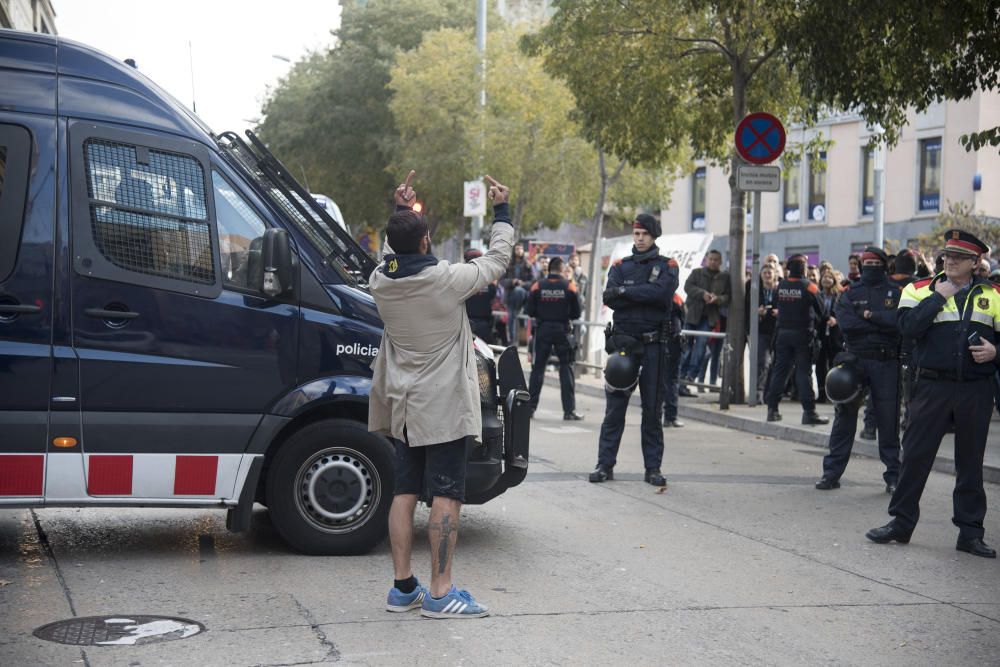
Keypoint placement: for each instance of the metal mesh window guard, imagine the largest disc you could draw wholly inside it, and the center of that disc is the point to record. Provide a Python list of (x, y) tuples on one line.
[(149, 218)]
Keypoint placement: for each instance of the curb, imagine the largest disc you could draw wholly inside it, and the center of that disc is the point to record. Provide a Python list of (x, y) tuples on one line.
[(813, 438)]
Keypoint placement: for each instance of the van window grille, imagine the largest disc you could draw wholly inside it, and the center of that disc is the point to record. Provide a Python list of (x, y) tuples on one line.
[(148, 211)]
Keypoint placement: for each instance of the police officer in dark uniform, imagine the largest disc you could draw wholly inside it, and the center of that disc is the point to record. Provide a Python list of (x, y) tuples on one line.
[(797, 303), (479, 306), (671, 384), (553, 302), (640, 290), (866, 313), (952, 318)]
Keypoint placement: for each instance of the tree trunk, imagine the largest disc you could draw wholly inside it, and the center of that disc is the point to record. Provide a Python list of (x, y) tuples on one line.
[(732, 378)]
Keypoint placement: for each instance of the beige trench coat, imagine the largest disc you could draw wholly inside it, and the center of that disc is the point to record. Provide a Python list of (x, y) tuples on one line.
[(425, 373)]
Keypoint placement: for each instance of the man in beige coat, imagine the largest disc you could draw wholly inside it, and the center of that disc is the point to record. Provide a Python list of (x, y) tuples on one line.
[(425, 392)]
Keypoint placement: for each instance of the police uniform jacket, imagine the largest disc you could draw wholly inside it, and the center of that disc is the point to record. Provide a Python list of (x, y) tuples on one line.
[(798, 303), (425, 373), (878, 335), (941, 327), (553, 300), (480, 305), (650, 281)]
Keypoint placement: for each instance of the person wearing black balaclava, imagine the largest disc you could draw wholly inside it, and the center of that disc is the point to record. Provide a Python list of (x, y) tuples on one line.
[(797, 304), (866, 314), (640, 291)]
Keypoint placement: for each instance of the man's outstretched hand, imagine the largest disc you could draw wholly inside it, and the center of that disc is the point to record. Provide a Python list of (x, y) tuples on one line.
[(499, 194), (404, 194)]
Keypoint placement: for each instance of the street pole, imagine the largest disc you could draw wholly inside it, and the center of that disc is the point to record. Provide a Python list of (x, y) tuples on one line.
[(754, 299), (879, 177), (476, 233)]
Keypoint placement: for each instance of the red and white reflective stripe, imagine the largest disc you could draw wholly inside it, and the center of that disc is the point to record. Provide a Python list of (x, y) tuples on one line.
[(162, 475), (22, 474)]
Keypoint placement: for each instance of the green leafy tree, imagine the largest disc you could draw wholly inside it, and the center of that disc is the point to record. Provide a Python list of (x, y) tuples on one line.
[(330, 116), (960, 215), (882, 58), (653, 79)]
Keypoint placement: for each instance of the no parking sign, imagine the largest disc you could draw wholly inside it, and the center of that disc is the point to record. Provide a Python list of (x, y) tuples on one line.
[(760, 138)]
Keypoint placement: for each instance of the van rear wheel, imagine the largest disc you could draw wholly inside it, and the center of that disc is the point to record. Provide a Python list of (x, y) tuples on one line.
[(329, 488)]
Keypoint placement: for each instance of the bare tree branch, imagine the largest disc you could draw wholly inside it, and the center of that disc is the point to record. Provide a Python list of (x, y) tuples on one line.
[(761, 60)]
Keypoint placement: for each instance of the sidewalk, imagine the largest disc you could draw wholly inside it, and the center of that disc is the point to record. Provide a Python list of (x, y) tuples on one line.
[(705, 408)]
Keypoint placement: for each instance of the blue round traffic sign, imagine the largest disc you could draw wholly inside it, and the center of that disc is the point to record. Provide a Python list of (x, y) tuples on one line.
[(760, 138)]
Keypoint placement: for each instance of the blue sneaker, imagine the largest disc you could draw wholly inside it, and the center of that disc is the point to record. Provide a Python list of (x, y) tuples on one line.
[(456, 604), (400, 601)]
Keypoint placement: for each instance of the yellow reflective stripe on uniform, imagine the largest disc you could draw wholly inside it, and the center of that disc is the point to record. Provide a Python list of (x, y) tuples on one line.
[(948, 316), (907, 302)]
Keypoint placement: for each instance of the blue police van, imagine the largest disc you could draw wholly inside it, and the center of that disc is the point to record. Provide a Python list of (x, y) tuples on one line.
[(183, 325)]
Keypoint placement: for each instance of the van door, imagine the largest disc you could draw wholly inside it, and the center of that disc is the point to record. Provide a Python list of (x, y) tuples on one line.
[(180, 356), (27, 147)]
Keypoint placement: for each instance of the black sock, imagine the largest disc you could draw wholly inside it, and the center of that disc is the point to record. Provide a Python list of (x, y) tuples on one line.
[(406, 585)]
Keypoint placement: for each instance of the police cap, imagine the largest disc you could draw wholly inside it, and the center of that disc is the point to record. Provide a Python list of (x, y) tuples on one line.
[(876, 253), (647, 222), (956, 240)]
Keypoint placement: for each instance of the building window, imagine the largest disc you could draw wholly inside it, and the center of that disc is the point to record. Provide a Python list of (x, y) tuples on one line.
[(817, 187), (698, 199), (930, 174), (791, 194), (867, 181)]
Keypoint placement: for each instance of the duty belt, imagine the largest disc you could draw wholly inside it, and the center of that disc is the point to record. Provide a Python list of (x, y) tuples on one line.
[(881, 354), (929, 374)]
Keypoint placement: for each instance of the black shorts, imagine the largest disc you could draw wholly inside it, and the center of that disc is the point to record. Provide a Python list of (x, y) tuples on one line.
[(438, 470)]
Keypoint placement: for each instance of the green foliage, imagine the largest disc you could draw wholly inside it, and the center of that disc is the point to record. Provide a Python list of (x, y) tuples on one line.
[(883, 57), (330, 117), (960, 215)]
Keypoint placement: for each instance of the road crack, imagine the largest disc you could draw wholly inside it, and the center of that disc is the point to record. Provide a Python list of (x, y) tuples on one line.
[(332, 653)]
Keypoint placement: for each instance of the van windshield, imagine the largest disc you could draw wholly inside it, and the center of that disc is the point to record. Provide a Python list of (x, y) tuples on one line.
[(338, 249)]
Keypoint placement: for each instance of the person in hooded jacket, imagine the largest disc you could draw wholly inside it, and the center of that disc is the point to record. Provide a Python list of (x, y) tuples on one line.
[(640, 290), (866, 313), (799, 307)]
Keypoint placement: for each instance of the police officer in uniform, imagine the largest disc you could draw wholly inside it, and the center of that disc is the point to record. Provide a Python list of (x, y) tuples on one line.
[(553, 302), (640, 290), (953, 318), (797, 302), (479, 306), (866, 314)]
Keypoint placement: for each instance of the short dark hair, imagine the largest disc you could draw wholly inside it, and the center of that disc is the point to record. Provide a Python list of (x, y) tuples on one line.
[(555, 264), (404, 231), (713, 251)]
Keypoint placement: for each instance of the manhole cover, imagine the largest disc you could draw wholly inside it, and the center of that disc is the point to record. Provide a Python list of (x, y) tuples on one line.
[(118, 630)]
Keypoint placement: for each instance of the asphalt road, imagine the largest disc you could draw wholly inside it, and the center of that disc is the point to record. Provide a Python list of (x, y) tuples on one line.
[(740, 561)]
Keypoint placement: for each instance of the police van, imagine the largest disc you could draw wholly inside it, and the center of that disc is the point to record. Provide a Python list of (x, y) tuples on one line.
[(182, 325)]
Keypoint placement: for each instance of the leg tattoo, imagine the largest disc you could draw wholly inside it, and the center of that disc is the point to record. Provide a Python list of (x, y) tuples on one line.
[(445, 530)]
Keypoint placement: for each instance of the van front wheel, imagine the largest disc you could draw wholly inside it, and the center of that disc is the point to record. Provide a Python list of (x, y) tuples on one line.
[(329, 488)]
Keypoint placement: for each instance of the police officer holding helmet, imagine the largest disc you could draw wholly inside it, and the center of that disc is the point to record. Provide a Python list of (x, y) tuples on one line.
[(866, 314), (479, 306), (797, 303), (640, 291), (953, 318), (553, 302)]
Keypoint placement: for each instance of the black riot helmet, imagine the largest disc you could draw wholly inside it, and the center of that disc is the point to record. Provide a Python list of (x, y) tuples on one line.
[(621, 373), (844, 381)]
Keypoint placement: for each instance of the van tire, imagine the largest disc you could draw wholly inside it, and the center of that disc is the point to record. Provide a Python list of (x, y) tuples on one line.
[(329, 488)]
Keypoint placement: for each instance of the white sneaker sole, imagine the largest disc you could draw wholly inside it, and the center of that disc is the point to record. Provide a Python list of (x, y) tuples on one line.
[(443, 614)]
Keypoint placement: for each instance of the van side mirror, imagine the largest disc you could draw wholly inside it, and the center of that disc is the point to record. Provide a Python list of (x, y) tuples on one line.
[(276, 260)]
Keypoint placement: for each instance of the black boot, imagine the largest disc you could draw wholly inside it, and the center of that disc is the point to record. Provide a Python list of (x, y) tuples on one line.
[(655, 477), (813, 419), (890, 532), (773, 415), (602, 474)]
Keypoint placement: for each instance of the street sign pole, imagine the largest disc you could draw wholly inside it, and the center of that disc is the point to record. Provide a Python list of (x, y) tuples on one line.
[(754, 300)]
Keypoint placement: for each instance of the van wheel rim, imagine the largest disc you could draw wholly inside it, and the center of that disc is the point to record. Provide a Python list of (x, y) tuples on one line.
[(337, 490)]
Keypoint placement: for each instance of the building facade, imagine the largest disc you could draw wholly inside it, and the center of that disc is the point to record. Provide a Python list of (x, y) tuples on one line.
[(826, 204), (28, 15)]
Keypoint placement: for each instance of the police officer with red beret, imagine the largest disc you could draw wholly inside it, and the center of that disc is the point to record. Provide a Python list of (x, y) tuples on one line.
[(953, 318)]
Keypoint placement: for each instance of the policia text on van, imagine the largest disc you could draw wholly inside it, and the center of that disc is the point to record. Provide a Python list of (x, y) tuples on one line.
[(182, 325)]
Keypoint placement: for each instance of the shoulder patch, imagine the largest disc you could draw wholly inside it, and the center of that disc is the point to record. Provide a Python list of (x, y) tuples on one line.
[(812, 288), (922, 283)]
